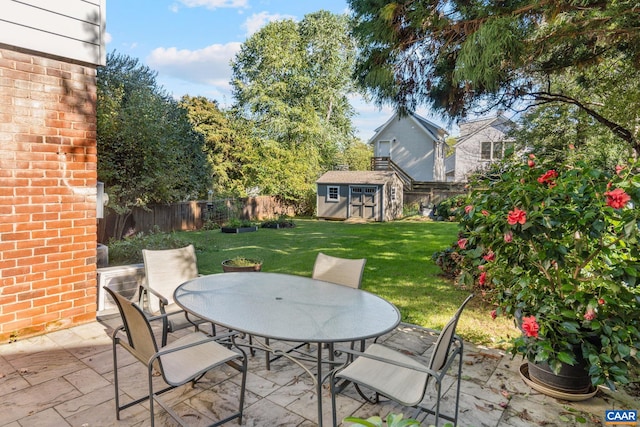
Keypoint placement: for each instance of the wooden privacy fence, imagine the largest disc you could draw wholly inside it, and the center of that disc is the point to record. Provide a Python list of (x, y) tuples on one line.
[(432, 193), (192, 215)]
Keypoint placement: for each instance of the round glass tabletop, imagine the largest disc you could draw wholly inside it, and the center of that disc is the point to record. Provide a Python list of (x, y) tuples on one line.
[(287, 307)]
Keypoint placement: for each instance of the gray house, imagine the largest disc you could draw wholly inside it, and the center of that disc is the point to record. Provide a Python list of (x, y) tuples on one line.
[(369, 195), (480, 143), (412, 145)]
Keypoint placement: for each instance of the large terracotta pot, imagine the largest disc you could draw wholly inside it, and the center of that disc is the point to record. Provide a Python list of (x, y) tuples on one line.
[(570, 379), (228, 267)]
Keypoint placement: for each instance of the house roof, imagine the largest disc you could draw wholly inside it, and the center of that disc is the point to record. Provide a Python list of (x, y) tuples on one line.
[(427, 126), (499, 121), (356, 177)]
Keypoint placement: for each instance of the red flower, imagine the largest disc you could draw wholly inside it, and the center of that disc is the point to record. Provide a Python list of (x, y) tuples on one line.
[(462, 243), (467, 209), (617, 198), (485, 212), (508, 237), (483, 278), (590, 314), (530, 326), (516, 216), (531, 163), (548, 177), (601, 301), (532, 156), (494, 314), (490, 256), (619, 169)]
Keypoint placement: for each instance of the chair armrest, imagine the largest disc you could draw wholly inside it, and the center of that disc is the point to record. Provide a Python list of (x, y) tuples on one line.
[(115, 331), (162, 298), (424, 369), (160, 316), (162, 352)]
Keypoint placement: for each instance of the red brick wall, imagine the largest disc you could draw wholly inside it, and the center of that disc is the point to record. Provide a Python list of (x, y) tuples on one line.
[(47, 194)]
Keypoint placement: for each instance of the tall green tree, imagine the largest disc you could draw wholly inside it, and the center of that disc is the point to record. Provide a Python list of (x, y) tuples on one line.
[(227, 145), (356, 156), (148, 151), (459, 55), (292, 80), (551, 127)]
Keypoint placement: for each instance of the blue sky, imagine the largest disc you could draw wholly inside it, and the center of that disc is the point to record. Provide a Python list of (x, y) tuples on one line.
[(189, 43)]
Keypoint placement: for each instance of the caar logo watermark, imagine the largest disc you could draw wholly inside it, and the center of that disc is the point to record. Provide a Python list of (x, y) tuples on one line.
[(621, 417)]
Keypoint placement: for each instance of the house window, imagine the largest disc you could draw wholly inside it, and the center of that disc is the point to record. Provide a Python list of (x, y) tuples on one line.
[(393, 193), (494, 150), (333, 194)]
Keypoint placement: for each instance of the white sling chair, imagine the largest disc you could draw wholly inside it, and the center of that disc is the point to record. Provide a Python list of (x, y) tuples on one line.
[(165, 270), (342, 271), (185, 359), (399, 377)]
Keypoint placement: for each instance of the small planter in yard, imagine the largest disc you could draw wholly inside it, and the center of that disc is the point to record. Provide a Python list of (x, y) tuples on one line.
[(239, 226), (239, 263), (239, 229), (282, 222)]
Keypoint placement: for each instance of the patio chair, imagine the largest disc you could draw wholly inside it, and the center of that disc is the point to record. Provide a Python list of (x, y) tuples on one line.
[(186, 359), (165, 270), (401, 378), (342, 271)]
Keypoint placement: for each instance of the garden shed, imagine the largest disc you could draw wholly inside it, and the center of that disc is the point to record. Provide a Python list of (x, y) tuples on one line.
[(368, 195)]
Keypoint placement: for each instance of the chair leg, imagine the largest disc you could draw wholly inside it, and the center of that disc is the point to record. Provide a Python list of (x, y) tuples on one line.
[(438, 396), (151, 399), (115, 378), (268, 355), (334, 411), (165, 331), (251, 349), (373, 401), (245, 368)]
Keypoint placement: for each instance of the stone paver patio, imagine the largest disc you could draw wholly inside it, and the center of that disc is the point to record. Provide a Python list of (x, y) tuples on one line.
[(64, 378)]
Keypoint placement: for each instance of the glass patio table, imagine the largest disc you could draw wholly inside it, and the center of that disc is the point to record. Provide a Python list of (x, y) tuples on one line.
[(289, 308)]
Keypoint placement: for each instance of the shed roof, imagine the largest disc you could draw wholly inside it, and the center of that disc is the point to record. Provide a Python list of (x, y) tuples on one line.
[(356, 177)]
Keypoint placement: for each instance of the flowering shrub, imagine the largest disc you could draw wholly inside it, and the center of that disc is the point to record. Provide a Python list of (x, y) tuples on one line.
[(556, 248)]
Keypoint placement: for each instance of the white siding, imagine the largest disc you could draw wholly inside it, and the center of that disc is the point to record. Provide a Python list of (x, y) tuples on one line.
[(72, 29), (411, 148)]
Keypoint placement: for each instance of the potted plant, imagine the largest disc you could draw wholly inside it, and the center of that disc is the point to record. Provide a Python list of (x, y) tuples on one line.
[(236, 225), (281, 222), (241, 263), (555, 247)]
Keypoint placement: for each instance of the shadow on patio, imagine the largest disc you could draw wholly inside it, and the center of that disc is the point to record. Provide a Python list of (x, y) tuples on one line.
[(64, 378)]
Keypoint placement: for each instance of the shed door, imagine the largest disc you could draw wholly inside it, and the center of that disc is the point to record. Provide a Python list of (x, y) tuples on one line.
[(363, 202)]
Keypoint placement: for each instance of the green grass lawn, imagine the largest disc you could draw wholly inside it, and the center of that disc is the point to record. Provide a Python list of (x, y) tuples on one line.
[(399, 266)]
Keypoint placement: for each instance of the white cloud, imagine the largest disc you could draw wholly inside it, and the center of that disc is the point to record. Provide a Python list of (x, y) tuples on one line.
[(207, 66), (107, 38), (259, 20), (216, 4)]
